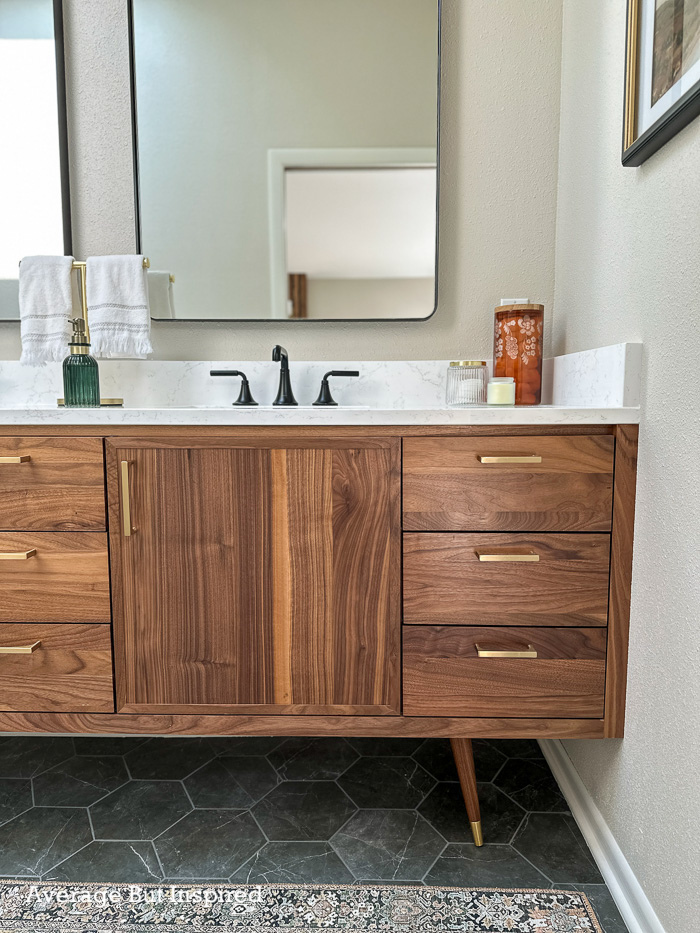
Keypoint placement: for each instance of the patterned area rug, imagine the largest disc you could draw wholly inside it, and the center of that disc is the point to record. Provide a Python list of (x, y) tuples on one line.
[(50, 908)]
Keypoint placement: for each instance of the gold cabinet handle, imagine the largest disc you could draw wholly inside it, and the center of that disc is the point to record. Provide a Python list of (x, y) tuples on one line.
[(518, 458), (18, 555), (126, 499), (22, 649), (529, 556), (15, 459), (483, 652)]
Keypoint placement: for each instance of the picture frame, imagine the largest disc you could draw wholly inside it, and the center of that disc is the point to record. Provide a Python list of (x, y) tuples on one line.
[(662, 74)]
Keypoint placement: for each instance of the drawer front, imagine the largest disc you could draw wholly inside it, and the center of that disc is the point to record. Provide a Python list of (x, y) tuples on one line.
[(508, 483), (444, 676), (52, 484), (54, 577), (499, 579), (69, 669)]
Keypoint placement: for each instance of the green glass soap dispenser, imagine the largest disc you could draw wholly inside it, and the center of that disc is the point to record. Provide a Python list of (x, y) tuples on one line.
[(81, 375)]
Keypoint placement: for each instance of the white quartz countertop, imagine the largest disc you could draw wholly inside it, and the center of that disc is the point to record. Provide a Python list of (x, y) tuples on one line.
[(592, 387), (265, 416)]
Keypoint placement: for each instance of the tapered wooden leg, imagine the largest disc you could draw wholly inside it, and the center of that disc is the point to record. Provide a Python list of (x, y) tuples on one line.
[(464, 759)]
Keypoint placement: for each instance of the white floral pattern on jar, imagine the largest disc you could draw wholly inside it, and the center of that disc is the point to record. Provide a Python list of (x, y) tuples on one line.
[(526, 325)]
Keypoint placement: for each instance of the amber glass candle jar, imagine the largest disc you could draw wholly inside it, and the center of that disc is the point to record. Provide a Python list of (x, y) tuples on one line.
[(517, 349)]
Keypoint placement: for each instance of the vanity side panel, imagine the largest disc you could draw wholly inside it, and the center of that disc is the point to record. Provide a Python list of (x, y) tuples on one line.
[(624, 492)]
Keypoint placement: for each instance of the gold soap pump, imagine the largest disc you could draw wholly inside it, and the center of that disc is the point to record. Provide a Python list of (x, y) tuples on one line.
[(81, 376)]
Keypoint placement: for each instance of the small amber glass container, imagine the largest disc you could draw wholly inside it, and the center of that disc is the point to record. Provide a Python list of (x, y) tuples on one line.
[(517, 349)]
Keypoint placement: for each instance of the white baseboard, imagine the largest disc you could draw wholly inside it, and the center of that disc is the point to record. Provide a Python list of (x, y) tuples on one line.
[(627, 892)]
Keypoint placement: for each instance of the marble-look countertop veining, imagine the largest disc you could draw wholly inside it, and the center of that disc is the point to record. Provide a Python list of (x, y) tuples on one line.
[(594, 387)]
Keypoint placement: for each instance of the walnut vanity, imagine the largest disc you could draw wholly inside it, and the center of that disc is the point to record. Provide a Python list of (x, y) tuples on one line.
[(458, 581)]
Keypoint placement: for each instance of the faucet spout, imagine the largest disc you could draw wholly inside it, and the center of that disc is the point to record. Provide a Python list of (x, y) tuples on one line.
[(285, 396)]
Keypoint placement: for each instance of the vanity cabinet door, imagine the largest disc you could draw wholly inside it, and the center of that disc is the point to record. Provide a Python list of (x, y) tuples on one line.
[(259, 577)]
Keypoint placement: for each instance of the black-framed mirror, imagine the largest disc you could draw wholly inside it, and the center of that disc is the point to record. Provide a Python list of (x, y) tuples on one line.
[(34, 180), (286, 157)]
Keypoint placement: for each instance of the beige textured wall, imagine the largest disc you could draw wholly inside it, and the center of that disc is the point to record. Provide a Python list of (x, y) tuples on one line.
[(501, 83), (628, 250)]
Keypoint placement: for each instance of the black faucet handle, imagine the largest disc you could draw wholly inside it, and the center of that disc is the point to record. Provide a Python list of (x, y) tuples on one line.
[(280, 355), (324, 396), (245, 397)]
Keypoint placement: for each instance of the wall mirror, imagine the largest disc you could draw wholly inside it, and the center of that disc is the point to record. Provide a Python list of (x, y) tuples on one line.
[(34, 189), (286, 157)]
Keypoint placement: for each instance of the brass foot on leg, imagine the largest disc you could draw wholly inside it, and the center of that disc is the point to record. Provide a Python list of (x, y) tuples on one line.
[(476, 833)]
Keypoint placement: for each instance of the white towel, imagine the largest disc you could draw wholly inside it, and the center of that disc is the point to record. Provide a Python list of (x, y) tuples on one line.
[(45, 307), (160, 295), (118, 313)]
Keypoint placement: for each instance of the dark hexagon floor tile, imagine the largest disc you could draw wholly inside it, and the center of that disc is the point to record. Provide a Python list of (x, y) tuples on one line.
[(604, 906), (233, 783), (531, 784), (209, 844), (79, 782), (386, 783), (382, 748), (396, 845), (303, 810), (110, 862), (294, 863), (553, 842), (444, 809), (302, 759), (169, 759), (139, 810), (435, 755), (24, 756), (98, 745), (244, 745), (40, 838), (15, 798), (489, 866), (517, 748)]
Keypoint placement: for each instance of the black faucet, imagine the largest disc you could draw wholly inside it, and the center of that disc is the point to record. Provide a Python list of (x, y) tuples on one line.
[(285, 396)]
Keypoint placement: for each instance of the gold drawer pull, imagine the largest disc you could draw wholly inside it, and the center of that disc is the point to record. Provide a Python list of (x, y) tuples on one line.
[(126, 499), (18, 555), (499, 653), (522, 458), (15, 459), (529, 556), (23, 649)]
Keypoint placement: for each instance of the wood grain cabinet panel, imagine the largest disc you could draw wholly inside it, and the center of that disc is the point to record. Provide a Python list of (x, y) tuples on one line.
[(57, 485), (65, 578), (444, 676), (557, 483), (449, 579), (261, 577), (69, 671)]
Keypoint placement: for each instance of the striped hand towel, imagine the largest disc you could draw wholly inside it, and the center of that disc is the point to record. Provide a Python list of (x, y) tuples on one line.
[(118, 312), (45, 308)]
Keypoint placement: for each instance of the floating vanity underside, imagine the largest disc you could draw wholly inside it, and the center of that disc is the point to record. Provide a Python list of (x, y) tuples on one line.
[(463, 581)]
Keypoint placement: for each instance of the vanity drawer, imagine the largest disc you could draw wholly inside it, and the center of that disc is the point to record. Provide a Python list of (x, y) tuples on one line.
[(443, 674), (54, 577), (541, 483), (506, 579), (61, 669), (52, 484)]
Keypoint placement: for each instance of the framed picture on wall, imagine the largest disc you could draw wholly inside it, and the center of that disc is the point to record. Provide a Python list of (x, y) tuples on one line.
[(662, 75)]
